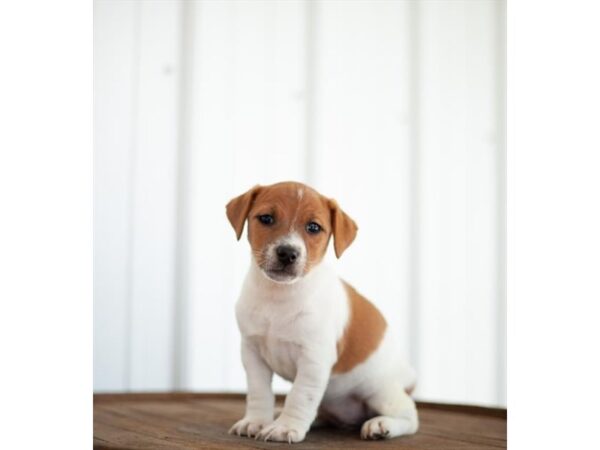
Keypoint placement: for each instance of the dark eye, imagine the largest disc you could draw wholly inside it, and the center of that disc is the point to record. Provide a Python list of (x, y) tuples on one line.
[(313, 228), (266, 219)]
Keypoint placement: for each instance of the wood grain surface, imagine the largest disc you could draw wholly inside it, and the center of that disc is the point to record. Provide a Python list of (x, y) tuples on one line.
[(195, 421)]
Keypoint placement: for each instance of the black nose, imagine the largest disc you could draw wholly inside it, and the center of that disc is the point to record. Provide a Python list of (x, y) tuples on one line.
[(286, 254)]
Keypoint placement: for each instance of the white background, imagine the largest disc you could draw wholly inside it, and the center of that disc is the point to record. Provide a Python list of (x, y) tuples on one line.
[(394, 108), (46, 223)]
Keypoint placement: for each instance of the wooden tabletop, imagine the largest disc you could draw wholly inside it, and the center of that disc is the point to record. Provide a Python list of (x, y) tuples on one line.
[(182, 420)]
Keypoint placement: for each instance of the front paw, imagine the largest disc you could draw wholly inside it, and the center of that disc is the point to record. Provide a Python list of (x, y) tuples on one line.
[(248, 426), (282, 430)]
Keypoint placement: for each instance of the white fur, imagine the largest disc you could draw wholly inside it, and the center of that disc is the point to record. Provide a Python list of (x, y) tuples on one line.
[(292, 330)]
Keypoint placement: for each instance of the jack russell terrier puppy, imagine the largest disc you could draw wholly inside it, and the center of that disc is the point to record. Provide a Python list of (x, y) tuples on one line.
[(299, 320)]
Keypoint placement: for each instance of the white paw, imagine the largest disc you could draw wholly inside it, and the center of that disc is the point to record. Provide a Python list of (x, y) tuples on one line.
[(282, 431), (385, 427), (376, 428), (248, 426)]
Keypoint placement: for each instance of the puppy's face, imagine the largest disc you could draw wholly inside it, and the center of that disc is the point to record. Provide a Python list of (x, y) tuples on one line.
[(289, 227)]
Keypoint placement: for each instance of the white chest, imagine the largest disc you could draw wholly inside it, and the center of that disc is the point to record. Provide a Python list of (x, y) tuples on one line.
[(287, 322), (278, 335), (281, 357)]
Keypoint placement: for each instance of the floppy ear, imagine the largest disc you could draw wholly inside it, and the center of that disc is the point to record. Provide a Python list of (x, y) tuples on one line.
[(238, 209), (344, 228)]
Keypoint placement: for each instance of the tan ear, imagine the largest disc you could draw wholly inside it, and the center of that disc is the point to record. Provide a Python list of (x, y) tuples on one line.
[(344, 228), (238, 209)]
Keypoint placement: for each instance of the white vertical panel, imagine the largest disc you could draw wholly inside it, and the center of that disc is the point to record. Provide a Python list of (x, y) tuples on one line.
[(114, 68), (246, 127), (485, 214), (362, 142), (458, 144), (501, 197), (154, 201)]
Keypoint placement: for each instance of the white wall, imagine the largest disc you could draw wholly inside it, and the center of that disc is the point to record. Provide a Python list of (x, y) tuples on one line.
[(394, 108)]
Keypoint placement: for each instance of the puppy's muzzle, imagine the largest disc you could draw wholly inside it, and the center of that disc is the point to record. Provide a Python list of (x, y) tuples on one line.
[(287, 255)]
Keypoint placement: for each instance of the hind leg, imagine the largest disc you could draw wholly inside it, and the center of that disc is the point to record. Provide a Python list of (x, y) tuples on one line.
[(396, 414)]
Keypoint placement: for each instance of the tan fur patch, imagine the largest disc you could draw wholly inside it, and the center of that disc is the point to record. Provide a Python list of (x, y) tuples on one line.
[(363, 334)]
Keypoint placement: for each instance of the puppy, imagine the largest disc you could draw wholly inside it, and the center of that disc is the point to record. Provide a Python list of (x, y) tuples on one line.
[(299, 320)]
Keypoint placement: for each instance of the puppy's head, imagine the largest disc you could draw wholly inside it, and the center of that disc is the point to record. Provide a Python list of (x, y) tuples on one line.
[(289, 227)]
